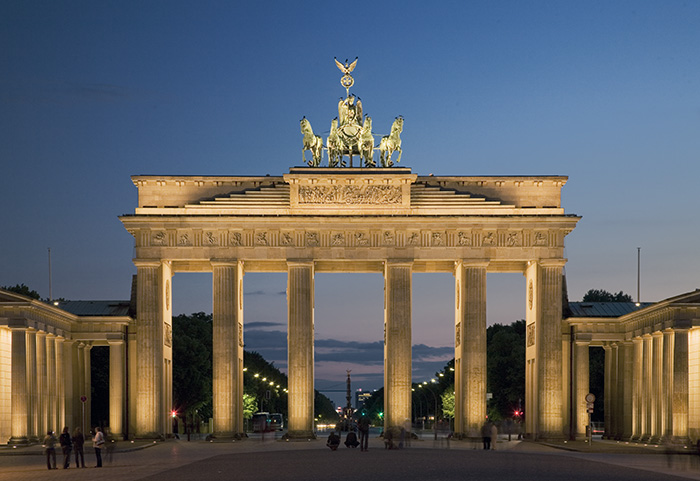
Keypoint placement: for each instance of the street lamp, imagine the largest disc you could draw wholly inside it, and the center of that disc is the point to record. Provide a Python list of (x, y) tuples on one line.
[(425, 383)]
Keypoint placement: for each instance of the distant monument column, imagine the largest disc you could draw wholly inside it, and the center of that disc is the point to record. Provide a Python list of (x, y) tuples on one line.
[(41, 380), (470, 348), (300, 348), (19, 402), (228, 348), (646, 387), (52, 384), (152, 310), (60, 384), (32, 398), (657, 386), (397, 342), (626, 392), (637, 353)]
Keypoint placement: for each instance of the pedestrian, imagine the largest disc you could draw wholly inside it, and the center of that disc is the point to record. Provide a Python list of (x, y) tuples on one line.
[(66, 446), (333, 441), (363, 427), (351, 440), (486, 435), (50, 447), (98, 442), (494, 436), (78, 441)]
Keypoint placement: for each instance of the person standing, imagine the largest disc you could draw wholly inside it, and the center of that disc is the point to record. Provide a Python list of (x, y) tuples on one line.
[(66, 446), (494, 436), (98, 442), (363, 426), (486, 435), (78, 441), (50, 447)]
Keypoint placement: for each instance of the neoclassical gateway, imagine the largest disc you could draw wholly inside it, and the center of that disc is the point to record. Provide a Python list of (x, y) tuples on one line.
[(344, 218)]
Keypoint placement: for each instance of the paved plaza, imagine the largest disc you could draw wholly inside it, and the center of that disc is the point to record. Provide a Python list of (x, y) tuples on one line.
[(255, 459)]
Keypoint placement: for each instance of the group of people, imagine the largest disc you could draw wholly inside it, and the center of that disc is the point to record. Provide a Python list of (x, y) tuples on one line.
[(363, 425), (69, 443), (489, 435)]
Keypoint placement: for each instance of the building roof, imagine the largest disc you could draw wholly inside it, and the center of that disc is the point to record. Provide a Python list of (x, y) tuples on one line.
[(605, 309), (96, 308)]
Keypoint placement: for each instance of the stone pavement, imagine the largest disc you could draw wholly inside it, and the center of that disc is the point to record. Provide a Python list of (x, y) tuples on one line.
[(276, 460)]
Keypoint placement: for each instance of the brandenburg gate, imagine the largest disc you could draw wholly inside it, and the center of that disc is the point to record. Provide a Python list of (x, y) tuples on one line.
[(344, 218)]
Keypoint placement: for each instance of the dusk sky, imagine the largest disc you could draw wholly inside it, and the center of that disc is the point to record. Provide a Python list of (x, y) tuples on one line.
[(605, 92)]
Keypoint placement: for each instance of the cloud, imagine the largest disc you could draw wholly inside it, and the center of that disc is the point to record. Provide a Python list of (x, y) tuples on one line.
[(261, 324), (265, 293)]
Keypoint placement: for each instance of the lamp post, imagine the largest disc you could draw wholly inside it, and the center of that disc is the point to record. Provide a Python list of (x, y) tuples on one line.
[(425, 383)]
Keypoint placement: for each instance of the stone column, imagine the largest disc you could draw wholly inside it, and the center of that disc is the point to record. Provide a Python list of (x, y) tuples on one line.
[(581, 384), (51, 384), (680, 384), (228, 348), (607, 391), (19, 401), (42, 383), (152, 308), (549, 351), (626, 391), (667, 385), (613, 393), (300, 348), (87, 384), (637, 354), (470, 348), (646, 386), (397, 342), (657, 344), (32, 398), (60, 385), (116, 387), (70, 359)]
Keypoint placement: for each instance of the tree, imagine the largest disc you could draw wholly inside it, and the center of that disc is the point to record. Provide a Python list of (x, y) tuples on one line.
[(192, 364), (23, 290), (250, 406), (448, 402), (601, 295), (505, 368)]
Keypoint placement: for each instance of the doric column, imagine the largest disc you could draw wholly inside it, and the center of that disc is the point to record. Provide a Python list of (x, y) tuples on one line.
[(300, 348), (51, 384), (470, 348), (607, 392), (70, 361), (19, 402), (581, 384), (228, 348), (614, 395), (667, 385), (637, 355), (646, 386), (544, 284), (60, 385), (153, 317), (397, 342), (657, 345), (116, 387), (680, 384), (87, 384), (32, 398), (627, 387), (42, 383)]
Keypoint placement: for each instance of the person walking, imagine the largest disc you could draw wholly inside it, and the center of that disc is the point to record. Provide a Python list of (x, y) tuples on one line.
[(363, 427), (78, 441), (98, 442), (66, 446), (50, 447), (486, 435)]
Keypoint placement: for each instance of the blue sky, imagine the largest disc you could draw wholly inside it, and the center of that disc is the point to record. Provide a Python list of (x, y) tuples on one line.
[(606, 92)]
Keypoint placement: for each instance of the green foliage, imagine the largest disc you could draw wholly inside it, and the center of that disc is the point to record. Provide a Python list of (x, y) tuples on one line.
[(601, 295), (22, 290), (448, 402), (250, 406), (192, 364), (505, 368)]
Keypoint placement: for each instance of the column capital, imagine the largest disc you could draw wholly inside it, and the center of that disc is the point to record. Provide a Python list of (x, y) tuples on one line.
[(549, 262), (226, 262), (300, 263), (148, 262), (115, 342), (472, 263)]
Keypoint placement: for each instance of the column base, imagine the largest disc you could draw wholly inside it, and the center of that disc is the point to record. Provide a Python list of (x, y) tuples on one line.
[(226, 437), (19, 440)]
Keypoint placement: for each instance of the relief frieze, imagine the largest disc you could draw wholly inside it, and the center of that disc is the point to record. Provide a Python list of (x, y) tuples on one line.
[(514, 239), (312, 239), (540, 239), (438, 239), (235, 239), (338, 239), (160, 238), (350, 194), (489, 239), (261, 239), (286, 239), (388, 238), (413, 239), (210, 239), (464, 238)]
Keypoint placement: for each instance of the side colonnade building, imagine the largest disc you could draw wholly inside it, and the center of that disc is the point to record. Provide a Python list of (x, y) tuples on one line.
[(45, 369), (652, 367)]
